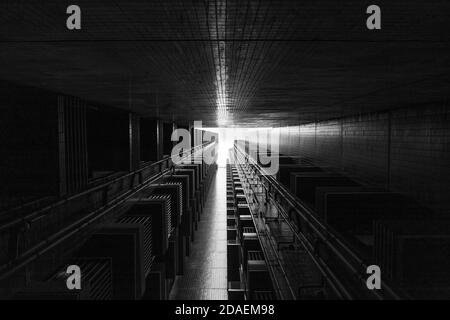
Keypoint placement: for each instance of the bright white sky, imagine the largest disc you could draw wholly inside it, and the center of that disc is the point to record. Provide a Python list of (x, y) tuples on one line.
[(227, 137)]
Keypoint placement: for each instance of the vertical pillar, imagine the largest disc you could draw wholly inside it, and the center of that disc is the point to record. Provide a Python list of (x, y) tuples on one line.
[(72, 145), (150, 144), (134, 135), (160, 139)]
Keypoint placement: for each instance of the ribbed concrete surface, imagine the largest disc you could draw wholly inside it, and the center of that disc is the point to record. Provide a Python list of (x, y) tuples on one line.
[(205, 275)]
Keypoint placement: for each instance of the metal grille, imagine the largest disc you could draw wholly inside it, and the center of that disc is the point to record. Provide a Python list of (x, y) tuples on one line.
[(147, 223), (263, 295), (168, 209), (255, 255), (97, 272), (185, 187), (248, 230), (180, 195)]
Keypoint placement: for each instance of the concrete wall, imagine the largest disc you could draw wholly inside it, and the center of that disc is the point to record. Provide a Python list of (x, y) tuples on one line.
[(405, 150), (51, 143), (28, 144)]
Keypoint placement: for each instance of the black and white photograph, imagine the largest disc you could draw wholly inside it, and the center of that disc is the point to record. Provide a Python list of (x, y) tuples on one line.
[(226, 158)]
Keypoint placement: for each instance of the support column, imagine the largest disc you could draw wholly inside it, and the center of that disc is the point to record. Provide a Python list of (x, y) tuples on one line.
[(135, 144), (72, 145)]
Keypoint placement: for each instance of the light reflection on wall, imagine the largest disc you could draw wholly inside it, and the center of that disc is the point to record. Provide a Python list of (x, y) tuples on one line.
[(217, 20)]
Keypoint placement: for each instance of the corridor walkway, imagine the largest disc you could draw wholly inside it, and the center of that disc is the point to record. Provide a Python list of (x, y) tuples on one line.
[(205, 276)]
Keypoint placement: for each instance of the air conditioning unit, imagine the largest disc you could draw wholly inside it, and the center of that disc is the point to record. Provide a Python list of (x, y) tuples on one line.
[(243, 209), (194, 200), (123, 243), (174, 190), (146, 222), (96, 282), (235, 291), (192, 183), (231, 233), (241, 199), (231, 220), (250, 242), (414, 253), (233, 260), (238, 190), (197, 170), (186, 217), (263, 295), (158, 207), (258, 276)]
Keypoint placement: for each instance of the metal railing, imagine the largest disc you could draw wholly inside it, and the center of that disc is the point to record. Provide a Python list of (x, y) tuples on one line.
[(281, 286), (86, 209), (318, 238)]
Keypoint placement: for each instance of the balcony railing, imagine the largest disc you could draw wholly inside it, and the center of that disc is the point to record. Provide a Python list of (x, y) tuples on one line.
[(25, 237), (342, 268)]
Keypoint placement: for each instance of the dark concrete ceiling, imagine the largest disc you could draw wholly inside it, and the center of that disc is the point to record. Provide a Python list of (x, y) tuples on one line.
[(252, 62)]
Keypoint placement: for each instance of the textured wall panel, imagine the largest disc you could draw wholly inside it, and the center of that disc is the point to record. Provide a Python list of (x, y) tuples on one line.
[(405, 150), (420, 155), (365, 147)]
